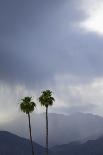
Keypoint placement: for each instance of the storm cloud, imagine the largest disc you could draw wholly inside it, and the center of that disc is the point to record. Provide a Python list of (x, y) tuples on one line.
[(40, 39), (43, 45)]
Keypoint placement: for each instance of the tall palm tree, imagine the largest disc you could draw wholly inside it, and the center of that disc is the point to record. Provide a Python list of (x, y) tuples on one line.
[(46, 100), (27, 106)]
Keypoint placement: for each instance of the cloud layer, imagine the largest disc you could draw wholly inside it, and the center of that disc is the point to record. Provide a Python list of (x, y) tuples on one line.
[(42, 45)]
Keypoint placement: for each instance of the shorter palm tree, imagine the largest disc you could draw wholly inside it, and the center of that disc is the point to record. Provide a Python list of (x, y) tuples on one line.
[(27, 106), (46, 100)]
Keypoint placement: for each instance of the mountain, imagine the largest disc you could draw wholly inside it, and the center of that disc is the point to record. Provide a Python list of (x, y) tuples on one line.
[(62, 128), (91, 147), (11, 144)]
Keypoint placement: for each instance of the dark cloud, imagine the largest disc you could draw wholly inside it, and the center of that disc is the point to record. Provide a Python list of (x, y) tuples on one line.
[(39, 39)]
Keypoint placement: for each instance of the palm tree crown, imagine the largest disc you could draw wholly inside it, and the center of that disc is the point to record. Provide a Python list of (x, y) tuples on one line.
[(27, 106), (46, 98)]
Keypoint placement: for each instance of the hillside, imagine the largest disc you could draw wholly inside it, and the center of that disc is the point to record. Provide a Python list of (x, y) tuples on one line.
[(11, 144), (91, 147), (73, 127)]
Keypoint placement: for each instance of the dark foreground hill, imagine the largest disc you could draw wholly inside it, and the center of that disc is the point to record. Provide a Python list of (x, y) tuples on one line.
[(11, 144), (91, 147)]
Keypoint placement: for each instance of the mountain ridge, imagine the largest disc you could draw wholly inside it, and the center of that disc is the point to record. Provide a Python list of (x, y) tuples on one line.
[(90, 147), (78, 126), (11, 144)]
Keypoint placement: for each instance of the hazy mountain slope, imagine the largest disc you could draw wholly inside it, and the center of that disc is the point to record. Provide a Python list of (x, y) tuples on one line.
[(91, 147), (62, 128)]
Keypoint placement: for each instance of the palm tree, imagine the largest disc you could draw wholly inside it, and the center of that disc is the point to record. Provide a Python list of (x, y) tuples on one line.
[(27, 106), (46, 100)]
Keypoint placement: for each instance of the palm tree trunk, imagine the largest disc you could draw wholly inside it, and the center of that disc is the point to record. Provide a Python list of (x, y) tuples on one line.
[(30, 134), (46, 130)]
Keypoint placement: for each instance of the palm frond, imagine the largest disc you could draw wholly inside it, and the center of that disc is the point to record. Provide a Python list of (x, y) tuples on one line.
[(27, 105), (46, 98)]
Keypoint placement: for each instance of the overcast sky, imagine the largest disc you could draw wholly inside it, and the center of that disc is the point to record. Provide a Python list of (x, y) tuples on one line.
[(51, 44)]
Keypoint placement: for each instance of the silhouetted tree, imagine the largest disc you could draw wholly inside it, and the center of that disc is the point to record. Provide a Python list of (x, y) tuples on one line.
[(46, 100), (27, 106)]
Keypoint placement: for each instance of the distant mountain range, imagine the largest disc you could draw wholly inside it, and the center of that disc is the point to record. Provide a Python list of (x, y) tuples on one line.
[(62, 128), (11, 144), (91, 147)]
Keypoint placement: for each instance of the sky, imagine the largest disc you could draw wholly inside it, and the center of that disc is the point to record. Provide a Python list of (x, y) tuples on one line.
[(51, 44)]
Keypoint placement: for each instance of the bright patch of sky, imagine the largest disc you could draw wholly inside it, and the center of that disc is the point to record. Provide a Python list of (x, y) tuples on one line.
[(94, 12)]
